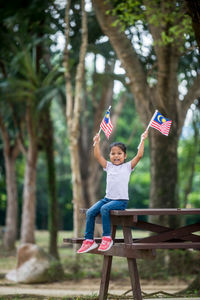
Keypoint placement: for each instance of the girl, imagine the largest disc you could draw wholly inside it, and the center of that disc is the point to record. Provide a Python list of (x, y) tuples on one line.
[(116, 198)]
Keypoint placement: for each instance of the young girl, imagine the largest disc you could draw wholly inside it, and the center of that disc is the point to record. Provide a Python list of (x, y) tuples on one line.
[(116, 198)]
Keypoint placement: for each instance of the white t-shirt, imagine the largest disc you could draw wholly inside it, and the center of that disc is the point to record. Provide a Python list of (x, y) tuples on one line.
[(117, 180)]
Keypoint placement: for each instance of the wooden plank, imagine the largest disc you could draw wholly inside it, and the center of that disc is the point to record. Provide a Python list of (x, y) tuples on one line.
[(152, 211), (166, 245), (156, 211), (172, 234), (124, 250), (161, 229)]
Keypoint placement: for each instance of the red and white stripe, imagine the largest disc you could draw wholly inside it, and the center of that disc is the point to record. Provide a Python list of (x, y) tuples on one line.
[(107, 128), (164, 128)]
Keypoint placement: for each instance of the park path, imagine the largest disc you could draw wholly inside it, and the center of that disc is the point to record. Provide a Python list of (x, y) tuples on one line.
[(85, 287)]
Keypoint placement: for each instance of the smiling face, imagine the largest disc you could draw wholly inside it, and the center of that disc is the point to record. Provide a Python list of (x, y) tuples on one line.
[(117, 156)]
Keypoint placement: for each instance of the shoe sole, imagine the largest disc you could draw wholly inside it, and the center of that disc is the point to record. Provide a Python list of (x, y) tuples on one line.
[(94, 246), (106, 249)]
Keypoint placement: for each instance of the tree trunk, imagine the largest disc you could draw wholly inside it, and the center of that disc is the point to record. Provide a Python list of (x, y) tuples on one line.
[(77, 187), (29, 199), (29, 193), (73, 110), (163, 175), (10, 235), (10, 155), (48, 144)]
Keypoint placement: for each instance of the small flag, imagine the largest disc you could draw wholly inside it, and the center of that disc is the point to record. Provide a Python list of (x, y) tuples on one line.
[(106, 124), (161, 123)]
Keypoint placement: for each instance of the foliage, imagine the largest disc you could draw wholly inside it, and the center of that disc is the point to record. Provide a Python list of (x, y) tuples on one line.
[(135, 13)]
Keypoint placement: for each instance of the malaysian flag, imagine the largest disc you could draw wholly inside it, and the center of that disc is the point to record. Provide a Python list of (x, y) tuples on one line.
[(106, 124), (161, 123)]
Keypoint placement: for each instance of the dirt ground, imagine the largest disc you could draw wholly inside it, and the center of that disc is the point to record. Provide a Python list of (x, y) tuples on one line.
[(87, 287)]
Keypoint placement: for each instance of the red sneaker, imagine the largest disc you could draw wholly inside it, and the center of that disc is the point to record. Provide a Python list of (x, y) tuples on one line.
[(106, 244), (87, 246)]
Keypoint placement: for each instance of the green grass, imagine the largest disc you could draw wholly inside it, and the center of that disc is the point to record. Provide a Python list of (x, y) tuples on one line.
[(86, 265)]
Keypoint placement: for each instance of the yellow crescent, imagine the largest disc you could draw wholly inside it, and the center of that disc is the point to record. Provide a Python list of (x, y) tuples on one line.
[(163, 120)]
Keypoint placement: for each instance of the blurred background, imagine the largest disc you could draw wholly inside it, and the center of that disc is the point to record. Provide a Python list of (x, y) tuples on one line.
[(59, 72)]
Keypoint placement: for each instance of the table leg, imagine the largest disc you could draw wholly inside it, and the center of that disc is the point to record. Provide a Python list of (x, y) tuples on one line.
[(105, 276), (132, 265)]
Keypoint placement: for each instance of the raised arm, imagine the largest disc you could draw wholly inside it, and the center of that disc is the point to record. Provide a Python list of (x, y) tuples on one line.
[(97, 151), (140, 152)]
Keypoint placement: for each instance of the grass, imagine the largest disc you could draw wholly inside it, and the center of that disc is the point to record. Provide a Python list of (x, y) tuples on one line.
[(86, 266), (89, 266)]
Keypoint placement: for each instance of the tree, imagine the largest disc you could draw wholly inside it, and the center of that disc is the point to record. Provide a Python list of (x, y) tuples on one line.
[(29, 199), (11, 151), (35, 91), (48, 146), (10, 139), (160, 90), (73, 109), (31, 83)]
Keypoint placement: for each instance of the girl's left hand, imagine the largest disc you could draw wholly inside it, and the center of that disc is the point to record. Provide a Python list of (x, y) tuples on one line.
[(96, 138), (144, 135)]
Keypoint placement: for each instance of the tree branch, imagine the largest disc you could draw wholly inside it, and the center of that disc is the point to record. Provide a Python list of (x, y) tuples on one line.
[(80, 67), (127, 56), (69, 106)]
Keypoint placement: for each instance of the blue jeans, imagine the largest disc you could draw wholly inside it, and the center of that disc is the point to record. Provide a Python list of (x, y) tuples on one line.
[(103, 206)]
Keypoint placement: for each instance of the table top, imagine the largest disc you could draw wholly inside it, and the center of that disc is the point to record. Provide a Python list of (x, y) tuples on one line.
[(156, 211)]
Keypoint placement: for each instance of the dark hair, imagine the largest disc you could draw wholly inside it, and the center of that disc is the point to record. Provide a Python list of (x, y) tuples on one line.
[(118, 144)]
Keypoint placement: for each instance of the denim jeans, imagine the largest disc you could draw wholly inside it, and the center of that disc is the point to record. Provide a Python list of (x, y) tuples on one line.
[(103, 206)]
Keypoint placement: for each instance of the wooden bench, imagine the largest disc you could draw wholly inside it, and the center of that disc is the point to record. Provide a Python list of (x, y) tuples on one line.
[(133, 249)]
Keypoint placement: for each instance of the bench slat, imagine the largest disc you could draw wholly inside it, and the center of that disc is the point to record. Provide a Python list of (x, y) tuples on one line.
[(139, 245), (152, 211), (124, 250), (166, 245)]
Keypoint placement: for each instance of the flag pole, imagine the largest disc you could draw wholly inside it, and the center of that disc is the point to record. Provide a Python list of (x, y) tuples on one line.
[(148, 126), (100, 126)]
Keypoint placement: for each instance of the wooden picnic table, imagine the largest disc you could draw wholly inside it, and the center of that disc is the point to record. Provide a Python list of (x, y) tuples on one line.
[(163, 237)]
